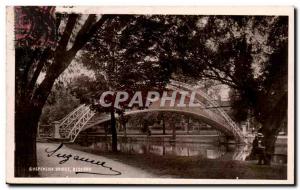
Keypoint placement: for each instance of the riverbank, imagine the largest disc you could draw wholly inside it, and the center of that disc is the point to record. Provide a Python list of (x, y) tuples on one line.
[(194, 167)]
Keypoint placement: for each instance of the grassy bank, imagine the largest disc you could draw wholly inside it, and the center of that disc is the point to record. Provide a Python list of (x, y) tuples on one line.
[(194, 167)]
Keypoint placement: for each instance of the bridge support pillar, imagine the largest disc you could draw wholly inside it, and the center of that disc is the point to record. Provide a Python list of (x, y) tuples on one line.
[(56, 130)]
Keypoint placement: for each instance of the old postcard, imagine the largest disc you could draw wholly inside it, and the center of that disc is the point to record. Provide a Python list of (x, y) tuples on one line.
[(150, 95)]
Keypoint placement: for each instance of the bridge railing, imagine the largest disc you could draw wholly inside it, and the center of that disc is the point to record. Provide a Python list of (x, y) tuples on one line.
[(69, 120), (81, 122), (203, 109), (213, 103), (74, 122), (65, 119), (231, 123)]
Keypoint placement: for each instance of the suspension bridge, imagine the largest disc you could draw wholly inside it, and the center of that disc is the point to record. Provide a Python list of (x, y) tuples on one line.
[(209, 112)]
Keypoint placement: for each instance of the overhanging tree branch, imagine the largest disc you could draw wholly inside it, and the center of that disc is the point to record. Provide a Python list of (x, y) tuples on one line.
[(63, 58), (47, 53), (87, 31), (63, 42)]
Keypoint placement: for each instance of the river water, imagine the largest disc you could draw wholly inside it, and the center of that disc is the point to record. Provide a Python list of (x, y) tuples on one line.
[(209, 148)]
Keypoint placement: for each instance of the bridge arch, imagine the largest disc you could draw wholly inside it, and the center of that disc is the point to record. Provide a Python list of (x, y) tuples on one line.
[(202, 117), (77, 120)]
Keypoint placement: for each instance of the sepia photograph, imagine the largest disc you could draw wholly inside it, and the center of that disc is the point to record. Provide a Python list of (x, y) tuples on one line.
[(150, 95)]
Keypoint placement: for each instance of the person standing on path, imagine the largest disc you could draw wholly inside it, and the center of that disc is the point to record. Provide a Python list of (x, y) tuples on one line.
[(261, 149)]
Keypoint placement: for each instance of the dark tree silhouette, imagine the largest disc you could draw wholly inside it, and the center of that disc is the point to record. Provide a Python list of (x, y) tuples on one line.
[(122, 66), (38, 51), (250, 55)]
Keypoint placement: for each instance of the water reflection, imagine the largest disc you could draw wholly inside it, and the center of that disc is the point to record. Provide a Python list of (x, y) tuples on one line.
[(205, 150)]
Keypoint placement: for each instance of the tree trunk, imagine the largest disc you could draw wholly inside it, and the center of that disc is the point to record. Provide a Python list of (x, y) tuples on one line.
[(27, 117), (114, 138), (272, 126), (173, 130), (270, 140), (188, 125), (26, 124), (28, 112), (105, 130), (163, 125), (124, 127), (270, 131)]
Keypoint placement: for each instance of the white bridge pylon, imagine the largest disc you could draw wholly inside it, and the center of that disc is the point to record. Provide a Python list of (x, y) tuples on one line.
[(209, 112)]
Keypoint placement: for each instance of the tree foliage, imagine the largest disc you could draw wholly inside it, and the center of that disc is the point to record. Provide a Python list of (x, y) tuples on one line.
[(60, 103), (139, 52), (42, 53)]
